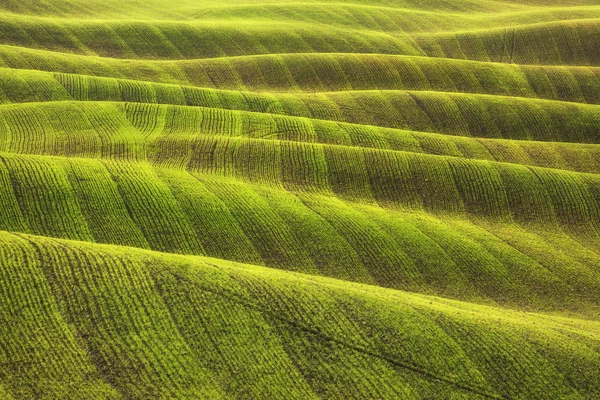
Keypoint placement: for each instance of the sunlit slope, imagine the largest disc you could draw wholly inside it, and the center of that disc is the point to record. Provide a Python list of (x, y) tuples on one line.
[(125, 323), (387, 15), (182, 40), (481, 242), (354, 202), (349, 111), (555, 35), (170, 135), (535, 44), (460, 114), (371, 13), (317, 73)]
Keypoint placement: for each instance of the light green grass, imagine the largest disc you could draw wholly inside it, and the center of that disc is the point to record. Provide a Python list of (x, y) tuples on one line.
[(530, 37)]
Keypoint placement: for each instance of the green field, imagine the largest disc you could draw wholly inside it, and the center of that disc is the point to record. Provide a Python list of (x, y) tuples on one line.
[(362, 199)]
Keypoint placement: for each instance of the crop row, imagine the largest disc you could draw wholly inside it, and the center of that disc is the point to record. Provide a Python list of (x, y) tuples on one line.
[(328, 72), (338, 72), (449, 113), (437, 15), (570, 42), (177, 40), (147, 357), (397, 179), (41, 353), (390, 17), (312, 231), (549, 43), (420, 17), (169, 135), (125, 322)]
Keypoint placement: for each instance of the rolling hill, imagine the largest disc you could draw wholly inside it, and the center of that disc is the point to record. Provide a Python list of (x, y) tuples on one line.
[(366, 199)]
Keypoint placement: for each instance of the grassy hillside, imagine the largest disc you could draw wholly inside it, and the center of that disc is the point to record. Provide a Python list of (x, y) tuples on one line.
[(367, 199), (123, 322)]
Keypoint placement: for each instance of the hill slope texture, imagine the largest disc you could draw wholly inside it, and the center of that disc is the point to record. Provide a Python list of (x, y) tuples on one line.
[(367, 199)]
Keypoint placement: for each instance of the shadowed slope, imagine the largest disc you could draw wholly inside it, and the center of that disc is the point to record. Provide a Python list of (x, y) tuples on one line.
[(169, 134), (179, 40), (194, 9), (220, 142), (175, 136), (387, 15)]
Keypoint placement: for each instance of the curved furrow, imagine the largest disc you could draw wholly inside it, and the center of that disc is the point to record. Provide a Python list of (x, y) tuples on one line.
[(370, 17), (326, 73), (172, 135), (189, 40), (434, 183), (547, 43), (391, 352), (194, 9), (458, 114), (412, 15), (296, 225), (571, 42)]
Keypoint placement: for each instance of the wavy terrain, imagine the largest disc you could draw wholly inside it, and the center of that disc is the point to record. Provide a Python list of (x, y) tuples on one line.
[(262, 200)]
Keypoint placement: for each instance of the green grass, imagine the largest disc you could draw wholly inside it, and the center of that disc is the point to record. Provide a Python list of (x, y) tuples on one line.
[(328, 72), (300, 215), (367, 199), (125, 322)]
